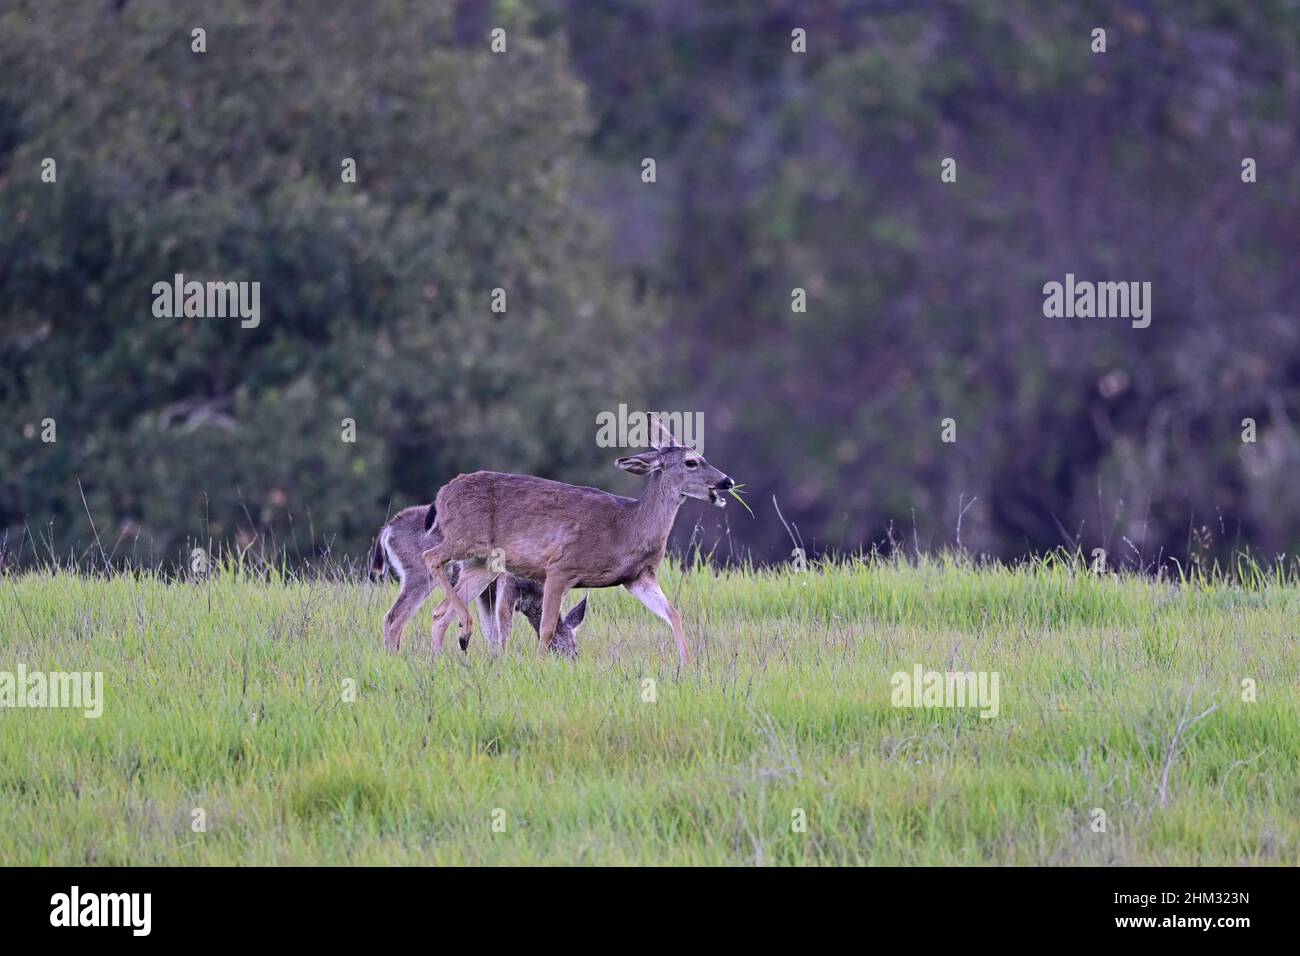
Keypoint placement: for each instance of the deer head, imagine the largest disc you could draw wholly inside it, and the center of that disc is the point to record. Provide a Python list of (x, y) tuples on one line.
[(566, 632), (682, 471)]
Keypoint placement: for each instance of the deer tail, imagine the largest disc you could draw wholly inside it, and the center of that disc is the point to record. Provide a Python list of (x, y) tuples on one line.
[(378, 561), (431, 517)]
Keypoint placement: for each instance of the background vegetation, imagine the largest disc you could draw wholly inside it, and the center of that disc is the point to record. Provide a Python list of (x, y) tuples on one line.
[(775, 171)]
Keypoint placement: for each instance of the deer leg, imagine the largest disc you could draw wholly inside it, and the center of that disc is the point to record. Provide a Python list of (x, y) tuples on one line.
[(504, 611), (415, 588), (473, 579), (442, 618), (482, 610), (487, 617), (436, 561), (553, 592), (475, 582), (646, 590)]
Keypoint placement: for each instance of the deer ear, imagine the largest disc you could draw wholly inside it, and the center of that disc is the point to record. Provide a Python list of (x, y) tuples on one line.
[(576, 614), (638, 464)]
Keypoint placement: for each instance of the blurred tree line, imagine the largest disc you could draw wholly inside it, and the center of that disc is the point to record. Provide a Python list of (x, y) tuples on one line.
[(375, 296), (775, 171)]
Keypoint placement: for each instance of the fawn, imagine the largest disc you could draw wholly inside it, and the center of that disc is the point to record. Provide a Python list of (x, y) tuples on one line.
[(400, 544)]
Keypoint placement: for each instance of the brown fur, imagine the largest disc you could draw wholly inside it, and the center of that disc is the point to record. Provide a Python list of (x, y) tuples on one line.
[(567, 536), (405, 539)]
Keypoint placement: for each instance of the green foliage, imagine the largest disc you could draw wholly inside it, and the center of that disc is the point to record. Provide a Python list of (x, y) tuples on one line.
[(822, 171), (375, 296), (776, 170)]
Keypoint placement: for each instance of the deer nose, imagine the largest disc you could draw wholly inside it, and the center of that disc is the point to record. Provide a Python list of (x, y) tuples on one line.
[(726, 482)]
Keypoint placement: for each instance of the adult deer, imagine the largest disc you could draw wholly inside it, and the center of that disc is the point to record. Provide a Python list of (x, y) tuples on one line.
[(567, 536), (400, 544)]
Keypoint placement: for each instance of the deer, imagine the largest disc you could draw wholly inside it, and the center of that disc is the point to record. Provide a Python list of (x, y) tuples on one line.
[(400, 544), (565, 536)]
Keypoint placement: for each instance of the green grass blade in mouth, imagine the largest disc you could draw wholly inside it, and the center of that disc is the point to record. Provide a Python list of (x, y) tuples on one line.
[(734, 491)]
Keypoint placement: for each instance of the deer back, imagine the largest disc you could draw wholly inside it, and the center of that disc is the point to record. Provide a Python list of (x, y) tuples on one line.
[(536, 524)]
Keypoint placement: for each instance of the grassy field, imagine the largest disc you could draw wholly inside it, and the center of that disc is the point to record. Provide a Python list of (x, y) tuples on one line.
[(228, 696)]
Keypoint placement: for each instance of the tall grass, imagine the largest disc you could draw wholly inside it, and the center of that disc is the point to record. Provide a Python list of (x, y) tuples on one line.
[(227, 695)]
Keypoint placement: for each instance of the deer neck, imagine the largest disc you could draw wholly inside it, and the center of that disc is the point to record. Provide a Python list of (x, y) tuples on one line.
[(656, 510)]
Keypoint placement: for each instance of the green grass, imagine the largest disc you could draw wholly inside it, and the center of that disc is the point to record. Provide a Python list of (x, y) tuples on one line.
[(227, 695)]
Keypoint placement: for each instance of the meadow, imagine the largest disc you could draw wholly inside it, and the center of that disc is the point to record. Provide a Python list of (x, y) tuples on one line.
[(254, 718)]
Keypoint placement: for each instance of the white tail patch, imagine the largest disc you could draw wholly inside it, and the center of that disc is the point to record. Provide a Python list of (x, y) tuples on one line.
[(393, 562)]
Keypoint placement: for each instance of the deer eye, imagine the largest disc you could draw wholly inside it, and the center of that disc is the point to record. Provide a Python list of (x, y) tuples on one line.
[(692, 463)]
